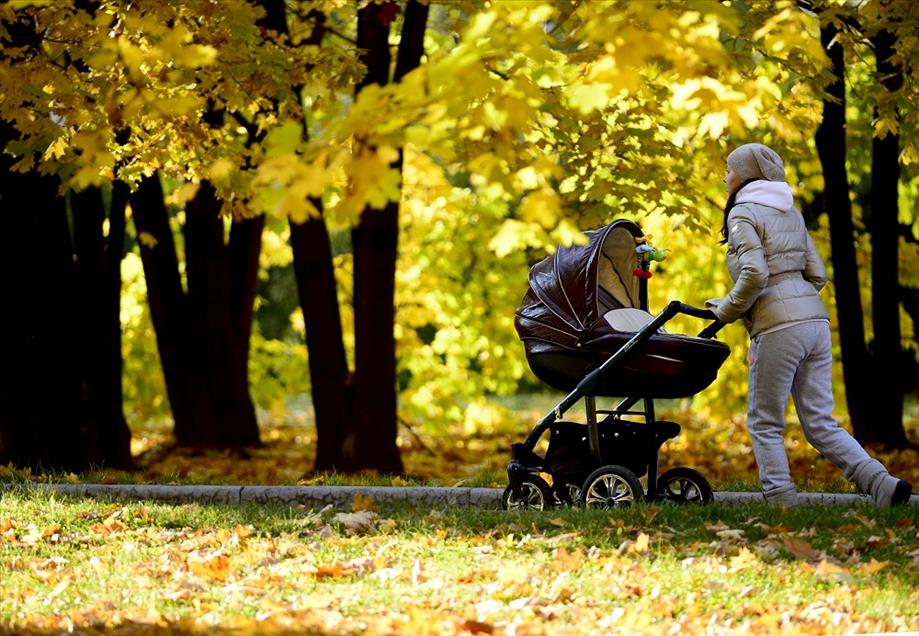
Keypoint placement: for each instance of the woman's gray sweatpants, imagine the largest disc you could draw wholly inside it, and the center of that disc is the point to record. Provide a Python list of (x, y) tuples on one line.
[(797, 360)]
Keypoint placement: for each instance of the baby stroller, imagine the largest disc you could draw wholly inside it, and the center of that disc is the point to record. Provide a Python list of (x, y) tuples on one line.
[(586, 328)]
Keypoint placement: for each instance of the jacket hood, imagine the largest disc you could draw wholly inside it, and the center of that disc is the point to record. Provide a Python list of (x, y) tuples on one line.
[(775, 194)]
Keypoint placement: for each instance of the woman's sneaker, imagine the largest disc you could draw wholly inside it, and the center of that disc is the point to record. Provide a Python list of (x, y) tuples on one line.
[(901, 493)]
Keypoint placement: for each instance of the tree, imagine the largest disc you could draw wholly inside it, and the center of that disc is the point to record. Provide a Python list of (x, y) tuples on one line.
[(874, 372), (887, 352), (831, 146), (60, 371)]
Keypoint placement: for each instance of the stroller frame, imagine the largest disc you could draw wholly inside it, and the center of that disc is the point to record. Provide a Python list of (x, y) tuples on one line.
[(526, 463)]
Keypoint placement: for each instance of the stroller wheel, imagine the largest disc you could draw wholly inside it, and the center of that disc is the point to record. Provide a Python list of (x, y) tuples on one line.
[(684, 485), (574, 494), (533, 493), (611, 486)]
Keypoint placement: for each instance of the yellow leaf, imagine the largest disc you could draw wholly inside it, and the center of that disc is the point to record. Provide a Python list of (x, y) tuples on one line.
[(57, 148), (284, 139), (567, 234), (215, 566), (885, 126), (220, 170), (177, 105), (872, 567), (542, 206), (826, 568), (588, 97), (147, 240), (278, 408), (183, 194), (363, 502), (745, 558), (641, 544), (514, 234)]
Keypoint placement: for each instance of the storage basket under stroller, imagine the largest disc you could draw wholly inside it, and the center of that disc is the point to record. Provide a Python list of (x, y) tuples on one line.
[(586, 329)]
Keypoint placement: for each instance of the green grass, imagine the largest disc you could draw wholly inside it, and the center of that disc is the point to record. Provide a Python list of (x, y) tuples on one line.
[(405, 569)]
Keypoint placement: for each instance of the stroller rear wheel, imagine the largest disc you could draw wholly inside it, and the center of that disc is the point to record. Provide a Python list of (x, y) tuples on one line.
[(611, 486), (532, 493), (684, 485)]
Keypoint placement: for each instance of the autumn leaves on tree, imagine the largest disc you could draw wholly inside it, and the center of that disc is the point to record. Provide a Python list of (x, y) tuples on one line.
[(412, 159)]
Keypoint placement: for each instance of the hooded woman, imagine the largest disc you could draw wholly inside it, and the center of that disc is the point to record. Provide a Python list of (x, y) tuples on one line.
[(778, 275)]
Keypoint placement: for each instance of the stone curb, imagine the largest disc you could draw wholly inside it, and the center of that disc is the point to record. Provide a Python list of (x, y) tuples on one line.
[(343, 496)]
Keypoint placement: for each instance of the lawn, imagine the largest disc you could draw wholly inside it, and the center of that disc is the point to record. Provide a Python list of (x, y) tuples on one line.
[(95, 567)]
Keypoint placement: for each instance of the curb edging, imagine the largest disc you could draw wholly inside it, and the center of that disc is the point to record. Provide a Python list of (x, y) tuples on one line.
[(343, 496)]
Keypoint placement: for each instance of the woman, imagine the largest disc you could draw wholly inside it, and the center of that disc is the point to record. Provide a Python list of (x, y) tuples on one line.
[(777, 275)]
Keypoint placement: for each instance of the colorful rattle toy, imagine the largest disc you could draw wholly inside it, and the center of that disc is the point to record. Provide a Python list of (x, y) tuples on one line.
[(646, 254)]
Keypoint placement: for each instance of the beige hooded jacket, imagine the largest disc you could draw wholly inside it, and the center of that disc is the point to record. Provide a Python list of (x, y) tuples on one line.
[(776, 269)]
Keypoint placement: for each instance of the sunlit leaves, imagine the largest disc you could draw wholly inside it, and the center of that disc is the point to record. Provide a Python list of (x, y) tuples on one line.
[(196, 569)]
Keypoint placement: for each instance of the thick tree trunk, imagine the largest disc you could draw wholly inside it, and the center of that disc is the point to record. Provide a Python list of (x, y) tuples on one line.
[(98, 269), (41, 419), (219, 347), (831, 147), (887, 354)]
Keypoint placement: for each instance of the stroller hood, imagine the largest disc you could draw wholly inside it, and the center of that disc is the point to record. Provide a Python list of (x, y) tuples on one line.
[(566, 300)]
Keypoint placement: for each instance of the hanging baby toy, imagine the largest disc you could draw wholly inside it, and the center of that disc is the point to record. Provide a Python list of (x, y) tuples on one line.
[(646, 253)]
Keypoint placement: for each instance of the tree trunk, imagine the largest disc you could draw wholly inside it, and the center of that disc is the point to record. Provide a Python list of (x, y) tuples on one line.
[(372, 442), (41, 416), (98, 270), (314, 269), (201, 340), (219, 347), (243, 253), (167, 304), (887, 353), (330, 379), (831, 147)]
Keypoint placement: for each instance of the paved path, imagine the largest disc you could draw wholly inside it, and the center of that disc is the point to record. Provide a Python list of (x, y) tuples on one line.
[(343, 496)]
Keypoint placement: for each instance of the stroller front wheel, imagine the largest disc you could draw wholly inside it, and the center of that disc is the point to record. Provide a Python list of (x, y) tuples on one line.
[(532, 493), (611, 486), (684, 485)]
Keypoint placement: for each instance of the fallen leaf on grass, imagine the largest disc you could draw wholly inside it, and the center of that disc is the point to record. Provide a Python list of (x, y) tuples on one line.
[(213, 566), (110, 525), (638, 546), (825, 568), (476, 627), (359, 521), (725, 532), (872, 567), (744, 559), (802, 549), (565, 561), (358, 566)]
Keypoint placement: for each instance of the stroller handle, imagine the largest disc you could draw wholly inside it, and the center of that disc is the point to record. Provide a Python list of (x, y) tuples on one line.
[(676, 307)]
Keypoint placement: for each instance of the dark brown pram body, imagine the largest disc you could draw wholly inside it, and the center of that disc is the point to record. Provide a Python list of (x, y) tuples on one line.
[(586, 328)]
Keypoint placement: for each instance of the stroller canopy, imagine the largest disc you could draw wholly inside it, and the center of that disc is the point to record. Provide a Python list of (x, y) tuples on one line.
[(571, 290)]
